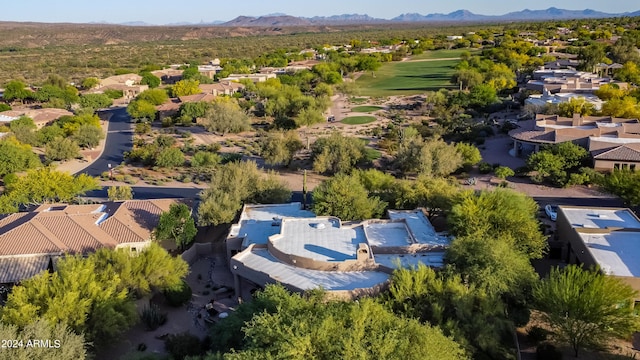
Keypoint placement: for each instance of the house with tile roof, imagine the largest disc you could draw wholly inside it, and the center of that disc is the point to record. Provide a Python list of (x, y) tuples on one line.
[(31, 242), (283, 243), (168, 76), (612, 142), (617, 156), (41, 117)]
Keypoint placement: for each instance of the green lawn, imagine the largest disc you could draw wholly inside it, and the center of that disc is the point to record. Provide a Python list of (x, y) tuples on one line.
[(366, 108), (408, 78), (441, 54), (372, 154), (358, 120)]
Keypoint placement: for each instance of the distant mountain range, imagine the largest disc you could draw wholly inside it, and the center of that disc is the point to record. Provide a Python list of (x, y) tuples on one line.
[(279, 19)]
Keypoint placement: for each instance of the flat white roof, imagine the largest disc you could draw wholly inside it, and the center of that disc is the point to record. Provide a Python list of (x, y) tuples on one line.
[(433, 259), (617, 253), (420, 227), (258, 222), (615, 140), (260, 260), (321, 239), (5, 118), (600, 218), (388, 234)]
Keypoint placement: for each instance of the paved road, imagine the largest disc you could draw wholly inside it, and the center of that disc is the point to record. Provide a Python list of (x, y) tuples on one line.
[(159, 192), (119, 139)]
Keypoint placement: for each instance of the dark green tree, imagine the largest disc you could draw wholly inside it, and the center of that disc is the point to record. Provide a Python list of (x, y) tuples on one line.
[(16, 90), (233, 184), (586, 308), (279, 148), (95, 101), (298, 327), (15, 157), (226, 116), (154, 96), (61, 149), (177, 225), (149, 79), (170, 157), (502, 213), (344, 196), (141, 109), (337, 153), (88, 136)]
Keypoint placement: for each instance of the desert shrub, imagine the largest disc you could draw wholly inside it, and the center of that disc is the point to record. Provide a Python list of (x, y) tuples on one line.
[(503, 172), (484, 167), (182, 345), (152, 317), (178, 296)]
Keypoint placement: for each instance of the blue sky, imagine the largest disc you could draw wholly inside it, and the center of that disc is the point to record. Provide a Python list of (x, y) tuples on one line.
[(172, 11)]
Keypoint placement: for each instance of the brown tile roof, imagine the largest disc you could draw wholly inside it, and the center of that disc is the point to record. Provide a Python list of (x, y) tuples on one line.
[(626, 152)]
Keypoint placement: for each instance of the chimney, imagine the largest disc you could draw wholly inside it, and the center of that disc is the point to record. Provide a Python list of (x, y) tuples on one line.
[(577, 119)]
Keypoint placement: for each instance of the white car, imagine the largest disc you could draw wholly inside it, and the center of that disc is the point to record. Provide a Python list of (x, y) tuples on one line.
[(552, 211)]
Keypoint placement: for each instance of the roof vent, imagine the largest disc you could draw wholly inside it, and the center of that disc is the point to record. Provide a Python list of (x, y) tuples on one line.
[(100, 209), (102, 218)]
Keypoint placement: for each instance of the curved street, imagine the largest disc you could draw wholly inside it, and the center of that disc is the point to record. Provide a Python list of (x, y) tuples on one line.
[(119, 139)]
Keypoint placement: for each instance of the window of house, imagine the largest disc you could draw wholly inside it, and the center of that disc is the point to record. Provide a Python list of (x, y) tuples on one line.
[(625, 166), (616, 166), (632, 167)]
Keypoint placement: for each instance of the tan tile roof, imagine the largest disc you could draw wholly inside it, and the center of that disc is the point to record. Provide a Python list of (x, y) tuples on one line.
[(533, 136), (39, 116), (29, 239), (58, 228), (197, 98), (627, 152), (77, 238)]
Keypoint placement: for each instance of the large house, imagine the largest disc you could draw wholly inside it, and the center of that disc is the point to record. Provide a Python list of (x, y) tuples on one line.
[(168, 76), (41, 117), (252, 77), (33, 241), (286, 244), (559, 82), (612, 142), (129, 84), (605, 237)]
